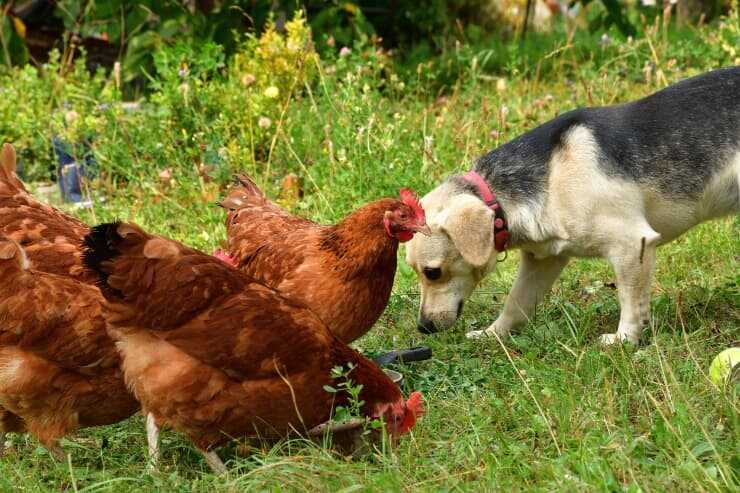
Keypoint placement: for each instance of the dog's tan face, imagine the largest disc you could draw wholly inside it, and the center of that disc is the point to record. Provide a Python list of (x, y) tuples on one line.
[(451, 261)]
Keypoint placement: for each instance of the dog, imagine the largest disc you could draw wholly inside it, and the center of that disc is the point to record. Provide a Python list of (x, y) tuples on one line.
[(613, 182)]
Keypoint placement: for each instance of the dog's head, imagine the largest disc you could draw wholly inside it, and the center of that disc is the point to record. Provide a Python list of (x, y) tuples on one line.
[(458, 254)]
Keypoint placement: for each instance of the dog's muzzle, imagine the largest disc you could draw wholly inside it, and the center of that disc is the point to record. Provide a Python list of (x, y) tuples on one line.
[(425, 326)]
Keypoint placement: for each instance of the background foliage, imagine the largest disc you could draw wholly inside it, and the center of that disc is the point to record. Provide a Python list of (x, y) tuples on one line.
[(213, 107), (355, 118)]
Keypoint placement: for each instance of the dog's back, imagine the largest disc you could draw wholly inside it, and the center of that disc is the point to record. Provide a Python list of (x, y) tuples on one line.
[(677, 139), (674, 141)]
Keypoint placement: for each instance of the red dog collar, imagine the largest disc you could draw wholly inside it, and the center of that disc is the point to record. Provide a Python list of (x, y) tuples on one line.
[(500, 230)]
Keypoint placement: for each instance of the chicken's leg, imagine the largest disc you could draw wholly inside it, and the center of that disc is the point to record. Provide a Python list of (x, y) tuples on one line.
[(152, 438), (2, 443), (213, 460), (57, 452)]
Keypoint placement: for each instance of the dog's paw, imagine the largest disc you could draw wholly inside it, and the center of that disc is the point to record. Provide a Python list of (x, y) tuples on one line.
[(616, 338), (478, 334), (491, 331)]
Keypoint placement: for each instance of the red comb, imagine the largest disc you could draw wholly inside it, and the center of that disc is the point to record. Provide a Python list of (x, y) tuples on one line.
[(408, 197), (225, 257)]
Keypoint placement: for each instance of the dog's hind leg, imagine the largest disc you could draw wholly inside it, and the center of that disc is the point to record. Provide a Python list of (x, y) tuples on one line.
[(533, 282), (634, 264)]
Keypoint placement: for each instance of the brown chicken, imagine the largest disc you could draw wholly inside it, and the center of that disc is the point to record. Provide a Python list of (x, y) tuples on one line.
[(215, 355), (51, 239), (343, 272), (59, 370)]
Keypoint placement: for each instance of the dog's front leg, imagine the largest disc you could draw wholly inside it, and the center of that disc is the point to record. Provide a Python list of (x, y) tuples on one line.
[(533, 282), (634, 265)]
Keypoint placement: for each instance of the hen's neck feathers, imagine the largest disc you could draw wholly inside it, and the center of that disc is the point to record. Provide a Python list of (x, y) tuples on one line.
[(360, 244), (377, 388)]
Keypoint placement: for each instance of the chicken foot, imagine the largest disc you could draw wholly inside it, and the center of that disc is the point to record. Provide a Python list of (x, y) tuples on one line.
[(152, 438), (213, 460), (57, 452)]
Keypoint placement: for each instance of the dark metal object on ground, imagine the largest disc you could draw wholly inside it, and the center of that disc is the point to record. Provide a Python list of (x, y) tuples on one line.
[(418, 353)]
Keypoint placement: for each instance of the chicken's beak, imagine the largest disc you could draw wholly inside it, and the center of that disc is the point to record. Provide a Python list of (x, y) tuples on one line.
[(424, 229)]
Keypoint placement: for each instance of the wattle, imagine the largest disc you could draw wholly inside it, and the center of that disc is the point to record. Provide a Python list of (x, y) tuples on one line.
[(404, 236)]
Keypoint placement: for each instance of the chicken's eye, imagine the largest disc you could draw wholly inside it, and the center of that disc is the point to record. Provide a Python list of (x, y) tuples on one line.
[(432, 273)]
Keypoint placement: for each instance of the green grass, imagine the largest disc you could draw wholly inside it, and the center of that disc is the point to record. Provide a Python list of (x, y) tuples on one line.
[(547, 409)]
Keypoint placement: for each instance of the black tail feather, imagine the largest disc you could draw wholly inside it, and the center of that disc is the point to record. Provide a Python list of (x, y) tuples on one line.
[(100, 247)]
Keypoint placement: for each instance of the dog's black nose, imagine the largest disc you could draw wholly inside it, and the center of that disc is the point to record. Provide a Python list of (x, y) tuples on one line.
[(425, 326)]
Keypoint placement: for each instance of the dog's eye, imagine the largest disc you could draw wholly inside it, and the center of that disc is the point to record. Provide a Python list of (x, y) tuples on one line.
[(432, 273)]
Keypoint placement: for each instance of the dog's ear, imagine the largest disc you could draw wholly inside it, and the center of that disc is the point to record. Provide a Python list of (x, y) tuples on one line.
[(469, 224)]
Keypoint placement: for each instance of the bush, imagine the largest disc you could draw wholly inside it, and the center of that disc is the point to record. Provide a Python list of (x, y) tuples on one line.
[(201, 117), (37, 105)]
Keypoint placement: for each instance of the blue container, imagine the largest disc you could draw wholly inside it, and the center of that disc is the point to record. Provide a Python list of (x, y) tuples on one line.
[(70, 173)]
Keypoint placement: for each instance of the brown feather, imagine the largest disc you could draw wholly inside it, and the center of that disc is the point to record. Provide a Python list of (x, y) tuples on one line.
[(8, 177), (52, 239)]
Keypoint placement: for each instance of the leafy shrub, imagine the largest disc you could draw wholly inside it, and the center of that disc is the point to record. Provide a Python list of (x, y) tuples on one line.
[(200, 119), (38, 104)]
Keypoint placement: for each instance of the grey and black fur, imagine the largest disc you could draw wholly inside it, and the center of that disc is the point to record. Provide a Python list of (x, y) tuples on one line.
[(674, 139)]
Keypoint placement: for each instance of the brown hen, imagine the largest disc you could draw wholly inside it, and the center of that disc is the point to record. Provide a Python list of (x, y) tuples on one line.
[(59, 370), (51, 239), (215, 355), (343, 272)]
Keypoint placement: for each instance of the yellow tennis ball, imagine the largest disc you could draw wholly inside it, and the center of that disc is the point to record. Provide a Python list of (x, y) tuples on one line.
[(723, 365)]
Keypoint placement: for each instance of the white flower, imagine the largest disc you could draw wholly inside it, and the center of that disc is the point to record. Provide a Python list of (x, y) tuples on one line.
[(344, 51), (248, 80), (71, 116), (264, 122), (272, 92), (166, 174)]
